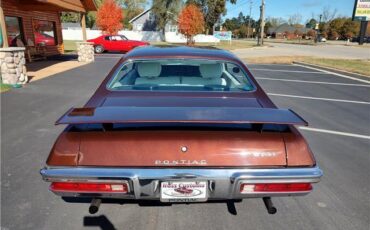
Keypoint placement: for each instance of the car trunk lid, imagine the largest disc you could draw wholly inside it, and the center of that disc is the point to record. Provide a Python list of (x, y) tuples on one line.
[(181, 148)]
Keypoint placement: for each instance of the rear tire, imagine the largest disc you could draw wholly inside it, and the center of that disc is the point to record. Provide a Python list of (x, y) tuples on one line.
[(98, 49)]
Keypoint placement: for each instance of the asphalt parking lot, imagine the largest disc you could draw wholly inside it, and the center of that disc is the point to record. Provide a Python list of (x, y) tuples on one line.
[(336, 107)]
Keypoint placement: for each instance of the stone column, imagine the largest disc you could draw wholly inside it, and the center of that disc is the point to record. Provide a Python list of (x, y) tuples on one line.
[(13, 65), (3, 28), (85, 51)]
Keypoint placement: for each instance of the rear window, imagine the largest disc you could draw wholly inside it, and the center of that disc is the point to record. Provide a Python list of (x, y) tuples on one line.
[(180, 75)]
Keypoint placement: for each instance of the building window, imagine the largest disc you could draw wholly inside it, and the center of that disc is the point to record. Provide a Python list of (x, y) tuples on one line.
[(151, 16), (173, 28), (139, 27), (14, 30), (44, 32)]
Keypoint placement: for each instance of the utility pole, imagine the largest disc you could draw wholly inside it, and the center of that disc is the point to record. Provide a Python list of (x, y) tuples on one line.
[(250, 15), (262, 25), (318, 34)]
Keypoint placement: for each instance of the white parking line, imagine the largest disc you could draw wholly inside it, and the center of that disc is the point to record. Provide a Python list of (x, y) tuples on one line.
[(313, 82), (336, 74), (270, 65), (335, 132), (319, 98), (288, 71)]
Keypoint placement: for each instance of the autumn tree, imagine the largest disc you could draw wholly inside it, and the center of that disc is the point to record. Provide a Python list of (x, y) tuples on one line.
[(311, 33), (342, 28), (109, 17), (191, 22), (298, 33), (350, 28), (243, 31), (335, 27)]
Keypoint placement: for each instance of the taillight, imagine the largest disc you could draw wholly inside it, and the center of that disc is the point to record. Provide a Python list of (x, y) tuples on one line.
[(88, 187), (275, 187)]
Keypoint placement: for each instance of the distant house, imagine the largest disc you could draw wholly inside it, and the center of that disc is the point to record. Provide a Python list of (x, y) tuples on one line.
[(286, 31), (146, 21)]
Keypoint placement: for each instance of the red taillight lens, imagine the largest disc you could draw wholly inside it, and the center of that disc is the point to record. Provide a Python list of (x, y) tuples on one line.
[(88, 187), (276, 187)]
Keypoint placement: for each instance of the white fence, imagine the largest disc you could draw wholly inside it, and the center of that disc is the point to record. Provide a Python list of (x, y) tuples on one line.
[(173, 37)]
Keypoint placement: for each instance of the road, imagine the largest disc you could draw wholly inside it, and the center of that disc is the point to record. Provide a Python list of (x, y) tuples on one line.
[(340, 201), (322, 50)]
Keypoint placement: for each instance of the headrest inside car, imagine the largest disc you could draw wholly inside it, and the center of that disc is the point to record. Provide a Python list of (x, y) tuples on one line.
[(149, 69), (211, 70)]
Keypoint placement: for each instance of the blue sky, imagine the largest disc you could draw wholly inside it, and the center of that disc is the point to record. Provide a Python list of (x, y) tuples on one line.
[(284, 8)]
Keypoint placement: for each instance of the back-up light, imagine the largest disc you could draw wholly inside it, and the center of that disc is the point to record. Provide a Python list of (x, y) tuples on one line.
[(275, 187), (89, 187)]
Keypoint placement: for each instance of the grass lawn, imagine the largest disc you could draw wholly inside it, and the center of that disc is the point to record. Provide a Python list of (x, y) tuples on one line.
[(352, 65), (70, 46), (291, 41), (355, 66), (236, 44), (4, 87)]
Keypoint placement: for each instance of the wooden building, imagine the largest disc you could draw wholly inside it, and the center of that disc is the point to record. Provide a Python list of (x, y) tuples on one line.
[(37, 22)]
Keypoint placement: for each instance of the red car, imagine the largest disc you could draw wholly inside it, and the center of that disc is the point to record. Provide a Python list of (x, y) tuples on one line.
[(115, 43), (42, 38), (169, 121)]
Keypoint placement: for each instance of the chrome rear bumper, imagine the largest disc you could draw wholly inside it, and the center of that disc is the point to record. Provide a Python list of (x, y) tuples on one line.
[(144, 183)]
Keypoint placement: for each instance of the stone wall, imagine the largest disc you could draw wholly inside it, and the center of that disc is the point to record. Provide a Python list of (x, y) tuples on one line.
[(85, 51), (13, 65)]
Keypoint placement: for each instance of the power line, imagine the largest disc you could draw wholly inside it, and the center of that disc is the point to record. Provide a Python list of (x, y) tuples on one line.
[(237, 7)]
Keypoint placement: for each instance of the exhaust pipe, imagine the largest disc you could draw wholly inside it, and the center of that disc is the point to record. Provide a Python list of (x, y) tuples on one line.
[(94, 206), (269, 205)]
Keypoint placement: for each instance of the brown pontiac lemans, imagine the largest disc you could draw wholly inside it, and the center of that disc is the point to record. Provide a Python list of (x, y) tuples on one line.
[(180, 124)]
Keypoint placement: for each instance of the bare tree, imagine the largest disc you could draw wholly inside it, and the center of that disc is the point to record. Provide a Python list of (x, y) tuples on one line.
[(328, 14), (313, 15), (275, 21), (295, 19)]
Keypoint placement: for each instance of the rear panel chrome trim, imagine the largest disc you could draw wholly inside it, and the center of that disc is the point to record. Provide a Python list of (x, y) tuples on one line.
[(144, 182)]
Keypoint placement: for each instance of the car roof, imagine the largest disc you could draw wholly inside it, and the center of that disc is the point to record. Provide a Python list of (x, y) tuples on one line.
[(179, 51)]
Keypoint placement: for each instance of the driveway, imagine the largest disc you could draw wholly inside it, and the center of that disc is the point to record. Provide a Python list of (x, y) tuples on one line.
[(322, 50), (337, 109)]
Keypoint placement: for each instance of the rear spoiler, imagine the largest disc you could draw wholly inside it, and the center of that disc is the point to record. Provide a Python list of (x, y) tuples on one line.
[(216, 115)]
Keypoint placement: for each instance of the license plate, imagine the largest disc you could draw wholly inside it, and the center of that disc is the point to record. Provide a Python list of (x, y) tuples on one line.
[(181, 191)]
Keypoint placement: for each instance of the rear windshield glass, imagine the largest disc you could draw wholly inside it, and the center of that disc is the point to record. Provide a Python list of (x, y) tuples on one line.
[(180, 75)]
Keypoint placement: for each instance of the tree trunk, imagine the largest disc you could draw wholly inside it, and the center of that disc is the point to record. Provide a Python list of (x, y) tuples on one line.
[(190, 41), (164, 34)]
